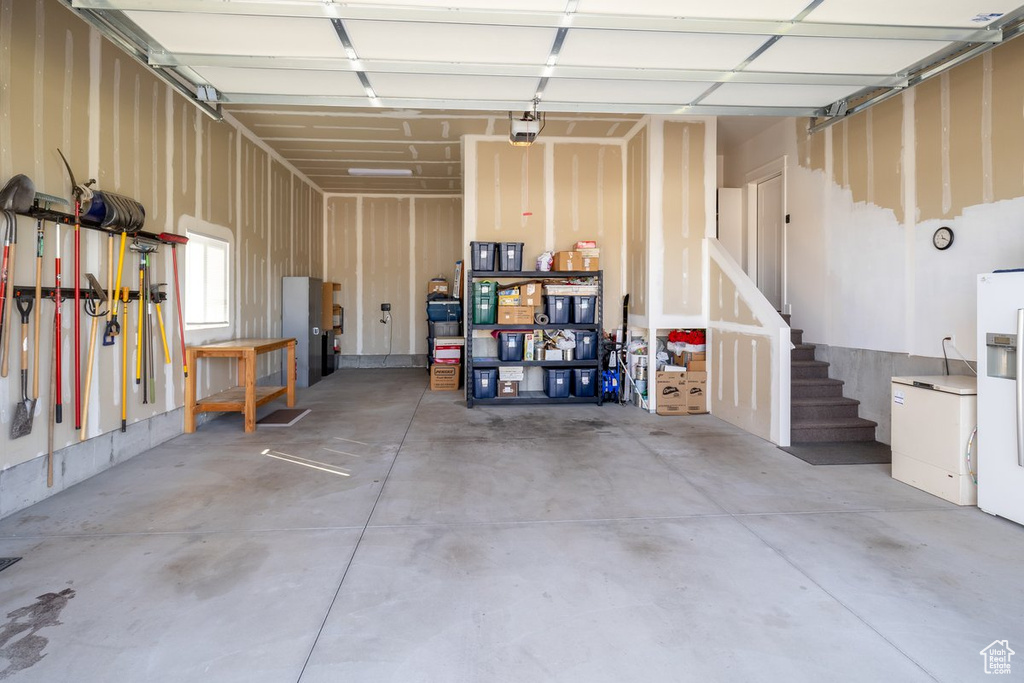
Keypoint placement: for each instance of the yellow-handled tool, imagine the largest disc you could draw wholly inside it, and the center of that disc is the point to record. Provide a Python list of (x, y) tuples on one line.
[(154, 295)]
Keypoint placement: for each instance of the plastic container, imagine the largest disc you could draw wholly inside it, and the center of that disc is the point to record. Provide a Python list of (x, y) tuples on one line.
[(444, 310), (485, 312), (586, 345), (556, 383), (557, 308), (510, 346), (485, 383), (583, 309), (485, 288), (510, 255), (482, 255), (584, 382), (445, 328)]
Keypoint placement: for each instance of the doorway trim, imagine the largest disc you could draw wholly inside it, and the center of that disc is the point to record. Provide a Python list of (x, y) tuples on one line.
[(751, 181)]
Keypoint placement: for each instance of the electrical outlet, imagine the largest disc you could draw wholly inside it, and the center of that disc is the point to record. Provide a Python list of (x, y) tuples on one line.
[(951, 338), (385, 307)]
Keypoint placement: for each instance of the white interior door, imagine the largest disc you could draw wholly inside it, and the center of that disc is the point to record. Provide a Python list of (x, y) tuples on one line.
[(770, 263)]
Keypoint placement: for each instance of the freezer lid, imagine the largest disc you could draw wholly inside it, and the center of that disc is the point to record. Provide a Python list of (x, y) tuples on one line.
[(962, 385)]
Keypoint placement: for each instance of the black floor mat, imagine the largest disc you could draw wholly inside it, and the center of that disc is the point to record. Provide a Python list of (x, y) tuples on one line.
[(6, 562), (285, 417), (842, 453)]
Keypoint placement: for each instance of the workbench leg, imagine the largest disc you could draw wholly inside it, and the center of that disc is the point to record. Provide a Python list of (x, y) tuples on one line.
[(190, 393), (290, 371), (250, 391), (241, 370)]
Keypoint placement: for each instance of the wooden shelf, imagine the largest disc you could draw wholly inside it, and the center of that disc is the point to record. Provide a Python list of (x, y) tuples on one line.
[(234, 399)]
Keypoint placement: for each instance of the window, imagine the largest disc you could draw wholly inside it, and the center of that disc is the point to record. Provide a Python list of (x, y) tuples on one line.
[(206, 281)]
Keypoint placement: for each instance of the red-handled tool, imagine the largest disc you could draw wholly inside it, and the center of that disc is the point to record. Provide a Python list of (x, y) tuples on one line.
[(174, 241)]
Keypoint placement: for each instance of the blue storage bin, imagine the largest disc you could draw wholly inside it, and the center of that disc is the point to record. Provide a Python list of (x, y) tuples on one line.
[(482, 254), (586, 345), (510, 346), (510, 255), (557, 309), (556, 384), (485, 383), (583, 308), (584, 382), (444, 310)]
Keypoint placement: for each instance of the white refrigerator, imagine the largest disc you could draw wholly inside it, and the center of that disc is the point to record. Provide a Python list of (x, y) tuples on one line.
[(1001, 394)]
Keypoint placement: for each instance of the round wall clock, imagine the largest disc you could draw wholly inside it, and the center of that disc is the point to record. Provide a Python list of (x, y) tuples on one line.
[(943, 238)]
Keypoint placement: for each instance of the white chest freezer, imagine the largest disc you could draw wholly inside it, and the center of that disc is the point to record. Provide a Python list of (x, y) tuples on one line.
[(932, 421)]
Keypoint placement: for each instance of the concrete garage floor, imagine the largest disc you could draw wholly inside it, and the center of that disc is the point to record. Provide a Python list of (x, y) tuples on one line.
[(499, 544)]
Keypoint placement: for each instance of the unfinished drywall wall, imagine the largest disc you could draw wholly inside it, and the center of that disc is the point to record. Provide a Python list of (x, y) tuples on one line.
[(384, 249), (740, 387), (637, 225), (64, 86), (580, 186), (683, 217), (863, 274)]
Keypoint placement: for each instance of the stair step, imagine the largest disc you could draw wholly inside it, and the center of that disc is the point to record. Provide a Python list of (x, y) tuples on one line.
[(832, 429), (808, 369), (816, 388), (786, 317), (802, 409), (796, 335), (802, 352)]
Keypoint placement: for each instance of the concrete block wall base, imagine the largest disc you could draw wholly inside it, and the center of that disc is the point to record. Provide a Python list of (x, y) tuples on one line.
[(25, 483), (395, 360)]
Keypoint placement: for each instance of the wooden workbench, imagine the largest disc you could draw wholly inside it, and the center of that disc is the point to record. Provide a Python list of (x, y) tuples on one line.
[(247, 397)]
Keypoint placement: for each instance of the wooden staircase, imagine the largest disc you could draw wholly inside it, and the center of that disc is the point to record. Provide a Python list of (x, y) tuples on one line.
[(818, 410)]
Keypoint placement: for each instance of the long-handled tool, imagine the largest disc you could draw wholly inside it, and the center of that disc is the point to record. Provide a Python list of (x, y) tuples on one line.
[(138, 332), (5, 349), (108, 330), (154, 295), (57, 399), (114, 327), (150, 371), (48, 201), (50, 422), (4, 271), (98, 295), (15, 197), (78, 191), (124, 365), (174, 241), (21, 424)]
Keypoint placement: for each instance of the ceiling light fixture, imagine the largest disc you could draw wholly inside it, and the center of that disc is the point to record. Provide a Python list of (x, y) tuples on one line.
[(524, 130), (381, 172)]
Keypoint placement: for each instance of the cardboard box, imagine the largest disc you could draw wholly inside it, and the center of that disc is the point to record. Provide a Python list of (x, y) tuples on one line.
[(457, 284), (671, 396), (588, 263), (528, 344), (444, 377), (586, 244), (437, 286), (589, 253), (553, 354), (697, 366), (508, 300), (511, 373), (566, 260), (508, 389), (515, 315), (530, 293), (447, 353), (696, 392)]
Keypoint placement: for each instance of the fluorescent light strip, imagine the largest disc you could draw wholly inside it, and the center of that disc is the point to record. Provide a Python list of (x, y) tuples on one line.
[(381, 172)]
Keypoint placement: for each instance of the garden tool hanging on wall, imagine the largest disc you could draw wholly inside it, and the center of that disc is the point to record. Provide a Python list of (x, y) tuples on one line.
[(15, 197), (21, 424), (154, 295), (92, 308), (47, 202), (124, 365), (174, 241), (144, 358)]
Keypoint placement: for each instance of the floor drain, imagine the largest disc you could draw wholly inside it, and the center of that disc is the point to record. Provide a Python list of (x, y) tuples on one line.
[(6, 562)]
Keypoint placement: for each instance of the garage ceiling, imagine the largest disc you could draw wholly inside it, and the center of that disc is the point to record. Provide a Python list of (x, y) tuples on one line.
[(351, 63)]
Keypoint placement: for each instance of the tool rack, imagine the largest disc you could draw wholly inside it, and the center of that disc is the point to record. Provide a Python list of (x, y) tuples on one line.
[(67, 293), (50, 215)]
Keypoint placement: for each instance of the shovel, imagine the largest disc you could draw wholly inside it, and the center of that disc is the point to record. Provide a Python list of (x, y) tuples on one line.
[(26, 407)]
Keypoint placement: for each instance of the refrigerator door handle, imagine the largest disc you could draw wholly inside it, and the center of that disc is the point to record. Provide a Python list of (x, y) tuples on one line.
[(1020, 387)]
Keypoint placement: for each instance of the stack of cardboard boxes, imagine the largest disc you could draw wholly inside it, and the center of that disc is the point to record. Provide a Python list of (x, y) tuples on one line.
[(683, 392), (585, 256)]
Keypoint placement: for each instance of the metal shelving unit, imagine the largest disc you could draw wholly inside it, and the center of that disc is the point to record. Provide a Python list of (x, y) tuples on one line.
[(531, 397)]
